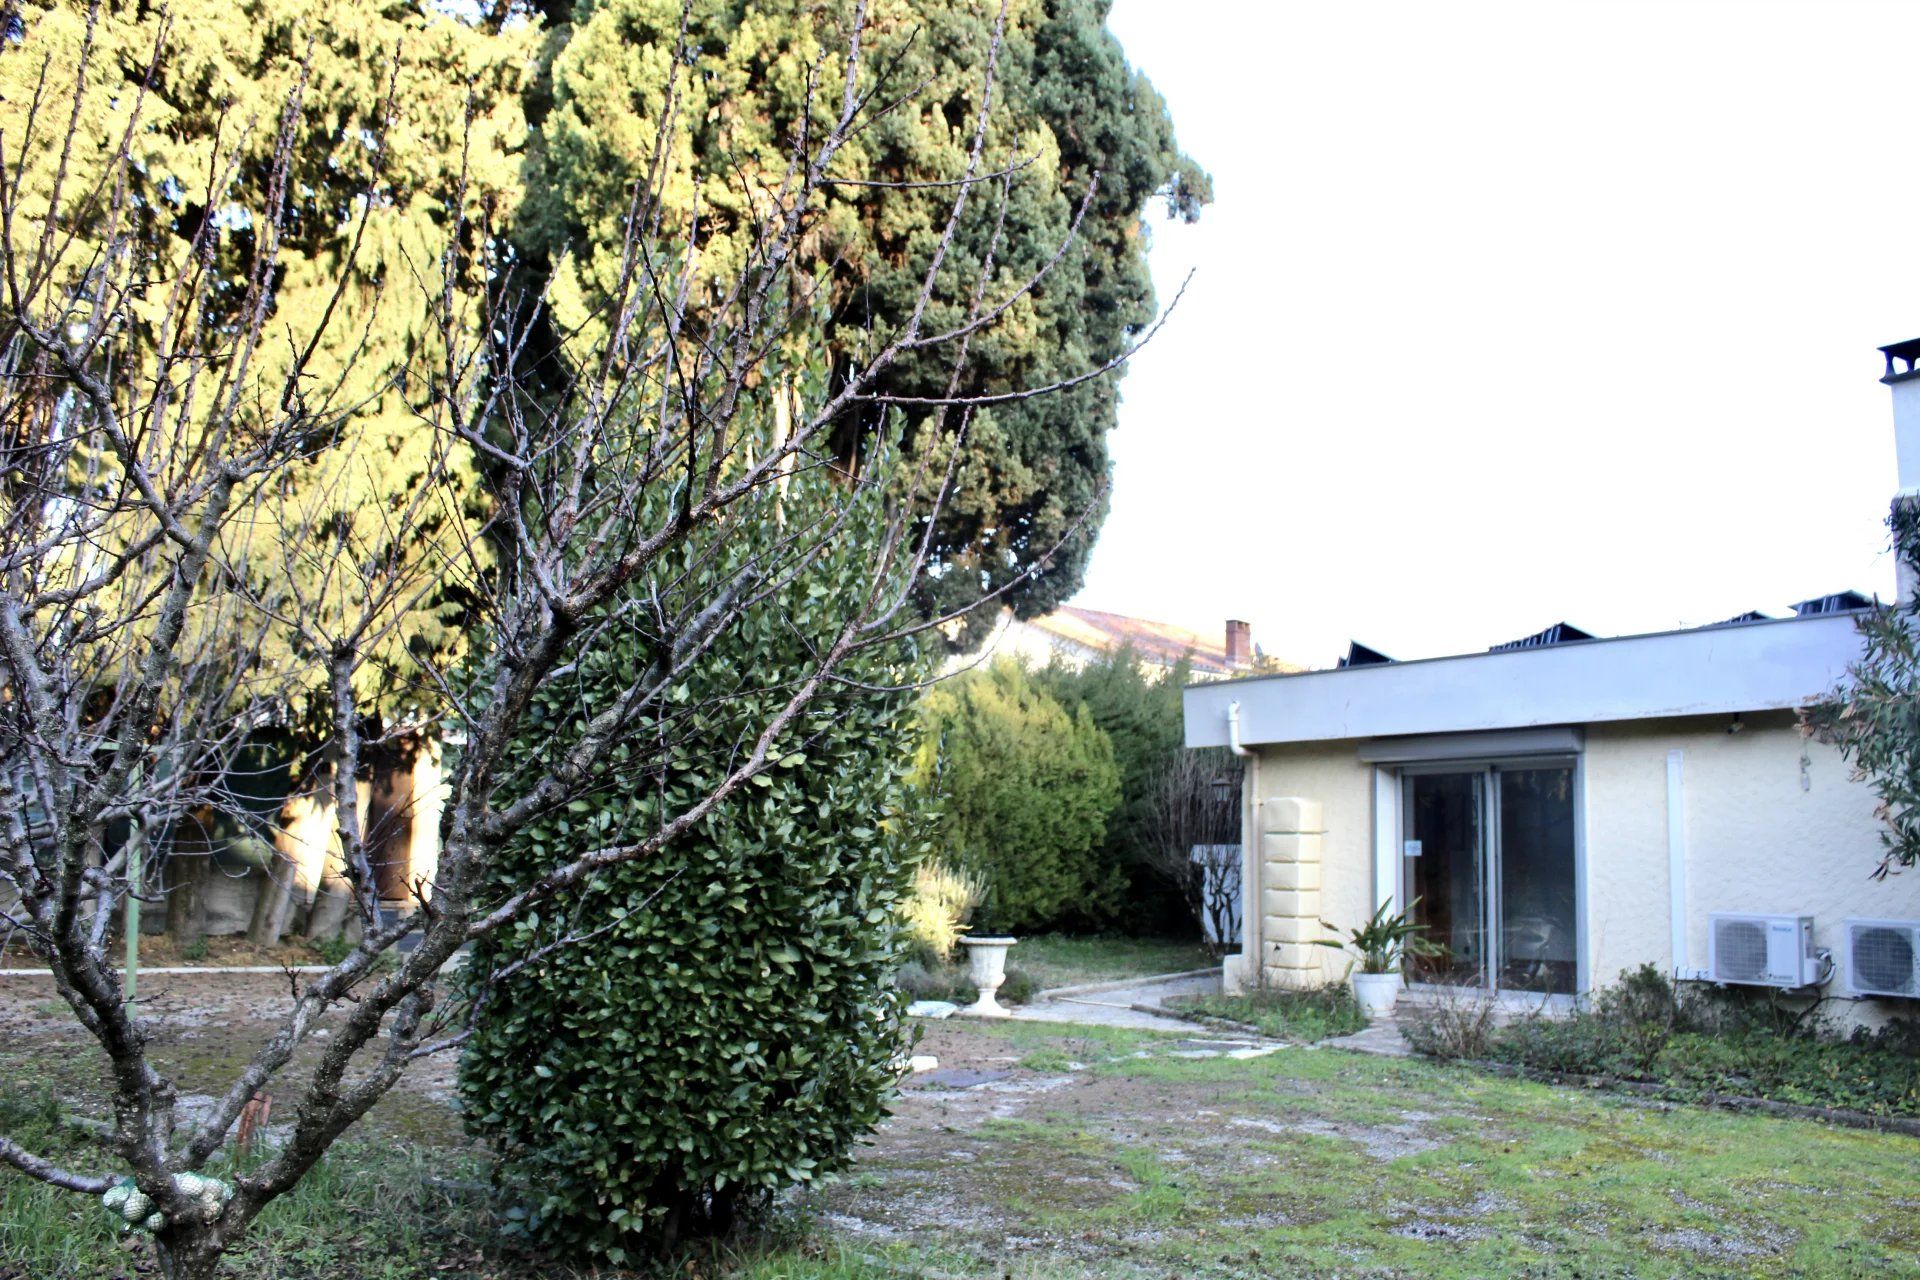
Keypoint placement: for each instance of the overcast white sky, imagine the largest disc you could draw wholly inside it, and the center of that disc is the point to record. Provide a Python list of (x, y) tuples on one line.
[(1508, 313)]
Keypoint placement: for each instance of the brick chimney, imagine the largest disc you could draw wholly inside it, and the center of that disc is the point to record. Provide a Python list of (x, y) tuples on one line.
[(1903, 377), (1239, 643)]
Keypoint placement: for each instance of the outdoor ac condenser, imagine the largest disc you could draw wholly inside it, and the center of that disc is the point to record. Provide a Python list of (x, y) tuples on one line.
[(1762, 951), (1883, 957)]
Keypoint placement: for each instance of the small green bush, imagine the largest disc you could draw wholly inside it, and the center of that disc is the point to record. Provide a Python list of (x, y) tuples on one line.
[(935, 913), (918, 981), (730, 1024), (1019, 988), (1708, 1041), (1025, 790), (1453, 1022)]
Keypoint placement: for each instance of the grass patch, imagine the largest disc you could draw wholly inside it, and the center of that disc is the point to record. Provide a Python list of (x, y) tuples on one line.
[(1055, 960), (1300, 1016), (1302, 1162), (1316, 1163)]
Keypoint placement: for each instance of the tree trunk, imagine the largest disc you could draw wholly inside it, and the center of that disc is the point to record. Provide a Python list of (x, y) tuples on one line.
[(189, 1254), (189, 864), (275, 903), (329, 914)]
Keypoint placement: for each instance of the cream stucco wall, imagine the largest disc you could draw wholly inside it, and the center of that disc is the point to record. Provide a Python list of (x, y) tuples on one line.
[(1772, 824), (1330, 773)]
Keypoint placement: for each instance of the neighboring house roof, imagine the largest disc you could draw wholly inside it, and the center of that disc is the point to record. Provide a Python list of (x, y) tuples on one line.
[(1768, 664), (1158, 643)]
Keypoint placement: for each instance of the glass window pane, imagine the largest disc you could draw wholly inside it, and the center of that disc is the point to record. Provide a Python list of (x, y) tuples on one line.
[(1441, 818), (1537, 935)]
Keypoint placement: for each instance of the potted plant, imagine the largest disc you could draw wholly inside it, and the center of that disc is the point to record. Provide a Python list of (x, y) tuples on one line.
[(1383, 943), (986, 960)]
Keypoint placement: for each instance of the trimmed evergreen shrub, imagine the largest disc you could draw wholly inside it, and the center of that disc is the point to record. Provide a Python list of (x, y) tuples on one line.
[(1026, 788), (1140, 712), (729, 1027)]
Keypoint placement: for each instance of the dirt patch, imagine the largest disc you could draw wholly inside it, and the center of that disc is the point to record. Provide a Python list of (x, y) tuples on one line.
[(1381, 1142), (204, 1028), (161, 951)]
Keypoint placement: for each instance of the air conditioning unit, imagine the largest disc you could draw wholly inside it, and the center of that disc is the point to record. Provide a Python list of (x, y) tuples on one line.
[(1883, 957), (1762, 951)]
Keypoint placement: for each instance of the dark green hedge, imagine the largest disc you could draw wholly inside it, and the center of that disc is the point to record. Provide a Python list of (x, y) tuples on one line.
[(734, 1029)]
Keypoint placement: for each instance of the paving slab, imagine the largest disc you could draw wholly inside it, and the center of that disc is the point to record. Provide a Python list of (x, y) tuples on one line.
[(1137, 1007), (1382, 1038)]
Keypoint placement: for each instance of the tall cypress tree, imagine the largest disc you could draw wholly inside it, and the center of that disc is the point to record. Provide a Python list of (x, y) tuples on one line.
[(395, 131), (1069, 107)]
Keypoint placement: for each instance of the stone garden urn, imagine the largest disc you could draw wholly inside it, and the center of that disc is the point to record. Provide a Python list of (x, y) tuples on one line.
[(987, 969)]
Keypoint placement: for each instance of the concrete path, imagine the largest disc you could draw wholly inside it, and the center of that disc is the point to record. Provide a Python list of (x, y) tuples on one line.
[(1124, 1006), (1382, 1038)]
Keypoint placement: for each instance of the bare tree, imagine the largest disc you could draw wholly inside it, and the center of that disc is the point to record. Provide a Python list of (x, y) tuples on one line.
[(164, 592), (1193, 831)]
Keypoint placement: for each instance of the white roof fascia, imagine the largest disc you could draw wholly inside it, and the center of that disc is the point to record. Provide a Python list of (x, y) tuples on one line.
[(1751, 666)]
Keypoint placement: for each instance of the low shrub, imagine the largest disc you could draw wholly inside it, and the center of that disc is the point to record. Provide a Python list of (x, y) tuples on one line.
[(920, 981), (1019, 988), (1303, 1016), (1451, 1023), (934, 915), (1696, 1042)]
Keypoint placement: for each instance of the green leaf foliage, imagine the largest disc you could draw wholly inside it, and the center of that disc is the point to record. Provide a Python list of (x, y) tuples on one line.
[(1027, 790), (1067, 108), (1699, 1041), (727, 1026), (1141, 713), (1873, 715), (402, 122)]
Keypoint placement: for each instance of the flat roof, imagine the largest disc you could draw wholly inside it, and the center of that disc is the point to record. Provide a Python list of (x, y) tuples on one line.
[(1773, 664)]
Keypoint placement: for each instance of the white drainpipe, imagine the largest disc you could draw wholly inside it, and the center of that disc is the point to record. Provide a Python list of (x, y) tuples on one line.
[(1677, 861), (1233, 730), (1249, 853)]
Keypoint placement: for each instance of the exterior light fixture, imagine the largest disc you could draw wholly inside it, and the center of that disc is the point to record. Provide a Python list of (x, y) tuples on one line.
[(1222, 789)]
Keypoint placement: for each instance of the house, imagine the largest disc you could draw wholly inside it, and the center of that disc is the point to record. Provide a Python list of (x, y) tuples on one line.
[(1564, 807), (1077, 636)]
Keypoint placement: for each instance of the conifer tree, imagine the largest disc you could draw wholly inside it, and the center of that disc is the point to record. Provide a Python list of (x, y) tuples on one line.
[(396, 123), (1036, 469)]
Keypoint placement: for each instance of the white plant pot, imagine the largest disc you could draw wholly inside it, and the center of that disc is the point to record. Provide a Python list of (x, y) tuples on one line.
[(986, 969), (1377, 993)]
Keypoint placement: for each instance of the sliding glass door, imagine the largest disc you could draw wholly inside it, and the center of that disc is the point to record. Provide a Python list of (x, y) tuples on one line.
[(1444, 818), (1535, 882), (1488, 866)]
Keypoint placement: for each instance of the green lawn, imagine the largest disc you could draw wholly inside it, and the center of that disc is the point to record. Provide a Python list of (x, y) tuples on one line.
[(1095, 1152), (1300, 1016), (1055, 960)]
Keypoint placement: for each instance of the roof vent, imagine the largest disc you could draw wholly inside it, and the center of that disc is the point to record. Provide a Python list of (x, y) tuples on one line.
[(1908, 354), (1839, 602), (1359, 655), (1558, 633), (1751, 615)]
